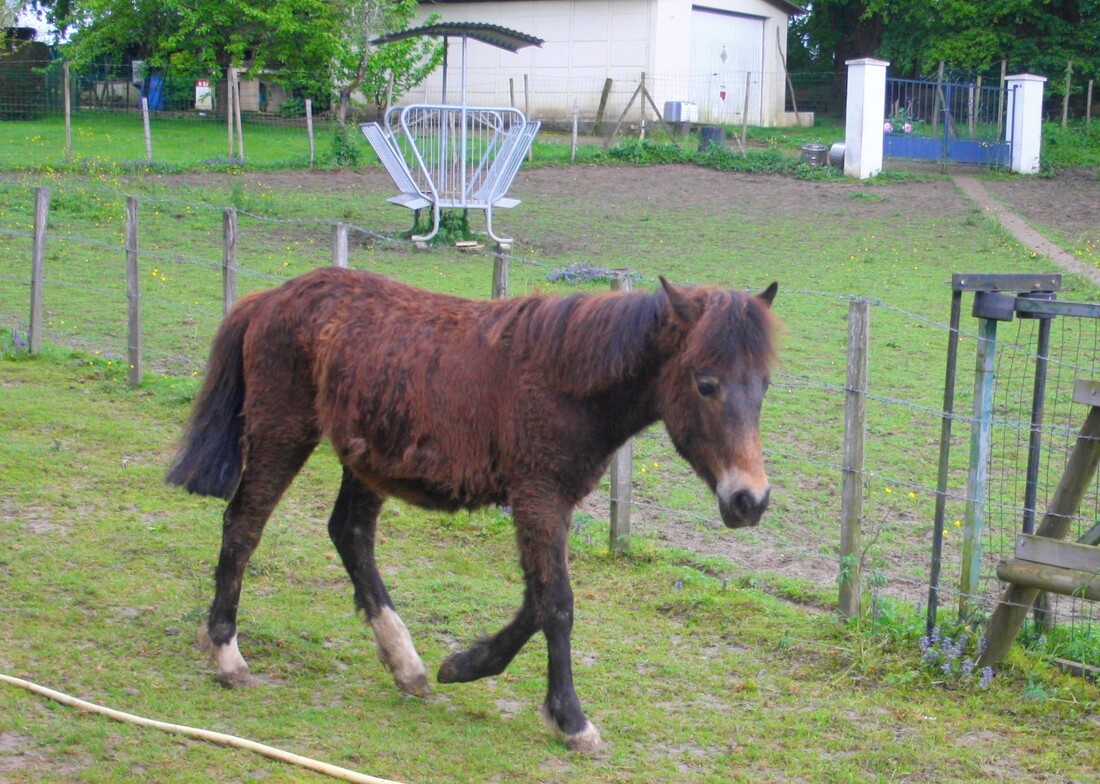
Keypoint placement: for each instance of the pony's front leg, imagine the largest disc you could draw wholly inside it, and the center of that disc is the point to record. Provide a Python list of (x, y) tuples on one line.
[(543, 543), (491, 655)]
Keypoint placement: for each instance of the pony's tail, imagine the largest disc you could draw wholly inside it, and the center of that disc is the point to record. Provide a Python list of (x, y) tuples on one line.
[(212, 455)]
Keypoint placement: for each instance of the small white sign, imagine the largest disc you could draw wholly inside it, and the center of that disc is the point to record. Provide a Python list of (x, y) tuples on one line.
[(204, 95)]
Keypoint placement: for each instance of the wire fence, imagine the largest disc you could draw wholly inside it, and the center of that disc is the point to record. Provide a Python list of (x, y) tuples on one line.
[(85, 298)]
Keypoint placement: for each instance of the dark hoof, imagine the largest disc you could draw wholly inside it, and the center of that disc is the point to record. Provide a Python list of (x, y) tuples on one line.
[(452, 670)]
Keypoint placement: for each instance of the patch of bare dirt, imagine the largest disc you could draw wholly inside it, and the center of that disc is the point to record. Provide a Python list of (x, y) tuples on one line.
[(1068, 203)]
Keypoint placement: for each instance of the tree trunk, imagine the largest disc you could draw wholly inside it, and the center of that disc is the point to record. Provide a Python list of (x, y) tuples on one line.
[(342, 109)]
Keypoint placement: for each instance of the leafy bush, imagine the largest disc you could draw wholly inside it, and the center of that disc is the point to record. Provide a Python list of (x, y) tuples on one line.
[(345, 149), (645, 151), (454, 226), (293, 107), (1074, 147)]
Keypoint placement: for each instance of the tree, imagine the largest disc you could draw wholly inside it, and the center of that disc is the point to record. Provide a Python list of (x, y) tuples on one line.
[(295, 35), (311, 45), (915, 35), (384, 72), (9, 12)]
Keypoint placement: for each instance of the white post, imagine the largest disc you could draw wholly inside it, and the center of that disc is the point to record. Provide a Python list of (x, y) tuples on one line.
[(1025, 121), (864, 115)]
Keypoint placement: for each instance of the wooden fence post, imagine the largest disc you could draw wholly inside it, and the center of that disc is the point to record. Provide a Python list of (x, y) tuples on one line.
[(855, 426), (977, 478), (1065, 98), (500, 271), (148, 133), (340, 245), (68, 113), (237, 115), (621, 464), (604, 94), (133, 293), (309, 129), (38, 267), (229, 259), (229, 109), (576, 118)]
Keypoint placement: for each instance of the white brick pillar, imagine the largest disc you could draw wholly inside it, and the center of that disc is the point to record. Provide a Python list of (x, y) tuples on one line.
[(1025, 121), (863, 117)]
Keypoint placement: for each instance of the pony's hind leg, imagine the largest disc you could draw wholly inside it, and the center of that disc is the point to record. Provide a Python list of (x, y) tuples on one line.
[(352, 529), (270, 469)]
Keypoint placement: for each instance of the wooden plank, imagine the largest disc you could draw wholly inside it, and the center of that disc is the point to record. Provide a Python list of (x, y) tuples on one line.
[(1080, 669), (961, 281), (1086, 392), (1067, 582), (1040, 307), (855, 430), (1091, 536), (1009, 614), (1053, 552)]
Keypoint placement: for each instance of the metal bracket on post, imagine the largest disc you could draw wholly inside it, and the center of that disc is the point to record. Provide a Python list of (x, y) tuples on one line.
[(989, 308)]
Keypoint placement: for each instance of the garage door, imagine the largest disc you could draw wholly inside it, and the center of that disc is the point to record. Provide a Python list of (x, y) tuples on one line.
[(724, 48)]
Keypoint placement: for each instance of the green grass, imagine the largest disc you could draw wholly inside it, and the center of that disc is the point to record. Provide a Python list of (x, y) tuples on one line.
[(106, 574), (693, 667)]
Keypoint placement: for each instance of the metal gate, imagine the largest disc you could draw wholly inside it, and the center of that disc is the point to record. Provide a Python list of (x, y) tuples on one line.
[(946, 121)]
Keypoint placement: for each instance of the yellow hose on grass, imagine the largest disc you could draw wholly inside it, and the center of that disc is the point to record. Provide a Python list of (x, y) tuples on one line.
[(219, 738)]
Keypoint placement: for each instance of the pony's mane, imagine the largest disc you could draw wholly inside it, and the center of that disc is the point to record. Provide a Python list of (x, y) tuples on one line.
[(586, 340), (593, 341)]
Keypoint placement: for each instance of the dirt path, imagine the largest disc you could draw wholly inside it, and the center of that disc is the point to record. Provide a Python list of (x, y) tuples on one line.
[(1019, 229)]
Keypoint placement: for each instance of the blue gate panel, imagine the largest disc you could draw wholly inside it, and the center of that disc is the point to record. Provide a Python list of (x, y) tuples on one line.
[(925, 148), (988, 153)]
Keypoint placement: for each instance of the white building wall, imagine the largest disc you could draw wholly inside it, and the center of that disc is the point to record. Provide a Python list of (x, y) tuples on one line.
[(589, 41)]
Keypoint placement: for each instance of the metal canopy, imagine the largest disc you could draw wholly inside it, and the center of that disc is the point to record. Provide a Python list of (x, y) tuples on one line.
[(494, 35)]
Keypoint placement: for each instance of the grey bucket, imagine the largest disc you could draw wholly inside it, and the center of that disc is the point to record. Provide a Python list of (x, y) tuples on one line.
[(836, 155), (815, 154)]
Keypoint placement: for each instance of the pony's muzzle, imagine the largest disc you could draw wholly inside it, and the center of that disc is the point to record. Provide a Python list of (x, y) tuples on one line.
[(743, 507)]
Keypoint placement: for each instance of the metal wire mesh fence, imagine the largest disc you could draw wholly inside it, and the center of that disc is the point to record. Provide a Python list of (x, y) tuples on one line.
[(85, 302)]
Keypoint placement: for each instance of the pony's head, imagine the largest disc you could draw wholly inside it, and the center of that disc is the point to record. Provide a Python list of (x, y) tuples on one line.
[(712, 388)]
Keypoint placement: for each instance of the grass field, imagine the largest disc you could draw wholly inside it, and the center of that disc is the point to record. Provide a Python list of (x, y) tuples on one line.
[(693, 673), (696, 667)]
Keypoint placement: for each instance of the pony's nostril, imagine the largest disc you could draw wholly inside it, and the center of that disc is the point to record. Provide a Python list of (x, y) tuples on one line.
[(744, 508), (743, 503)]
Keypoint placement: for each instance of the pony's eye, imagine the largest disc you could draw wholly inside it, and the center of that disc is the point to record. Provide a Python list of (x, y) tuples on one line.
[(707, 387)]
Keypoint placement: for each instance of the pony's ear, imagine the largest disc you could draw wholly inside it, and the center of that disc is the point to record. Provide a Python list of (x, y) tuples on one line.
[(685, 310), (768, 294)]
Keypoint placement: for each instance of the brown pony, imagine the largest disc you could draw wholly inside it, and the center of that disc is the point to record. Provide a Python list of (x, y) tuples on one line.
[(450, 403)]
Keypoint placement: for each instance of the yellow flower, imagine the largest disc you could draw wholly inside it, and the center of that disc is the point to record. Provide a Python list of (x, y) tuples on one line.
[(912, 494), (889, 490), (958, 523)]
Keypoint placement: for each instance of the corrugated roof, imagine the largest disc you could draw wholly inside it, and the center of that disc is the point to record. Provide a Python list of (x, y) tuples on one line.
[(495, 35)]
